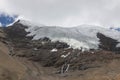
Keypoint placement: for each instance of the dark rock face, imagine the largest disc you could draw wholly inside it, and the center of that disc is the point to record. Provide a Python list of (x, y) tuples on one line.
[(107, 43), (16, 31)]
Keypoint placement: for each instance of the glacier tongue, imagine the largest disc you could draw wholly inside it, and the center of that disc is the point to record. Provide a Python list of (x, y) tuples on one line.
[(84, 36), (73, 43)]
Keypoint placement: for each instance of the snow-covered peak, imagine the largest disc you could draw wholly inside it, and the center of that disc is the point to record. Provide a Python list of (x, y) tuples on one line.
[(29, 23), (81, 37)]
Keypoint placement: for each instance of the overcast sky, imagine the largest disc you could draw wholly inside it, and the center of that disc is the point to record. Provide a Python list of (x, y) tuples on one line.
[(66, 12)]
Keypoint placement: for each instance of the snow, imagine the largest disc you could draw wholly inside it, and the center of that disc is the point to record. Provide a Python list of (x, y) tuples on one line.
[(22, 21), (64, 56), (29, 24), (35, 49), (118, 45), (83, 36), (72, 43), (54, 50)]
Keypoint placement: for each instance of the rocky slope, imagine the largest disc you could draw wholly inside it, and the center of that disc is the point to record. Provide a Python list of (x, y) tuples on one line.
[(10, 69), (25, 59)]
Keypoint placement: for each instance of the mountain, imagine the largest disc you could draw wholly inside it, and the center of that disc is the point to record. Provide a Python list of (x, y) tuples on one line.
[(32, 52), (85, 36)]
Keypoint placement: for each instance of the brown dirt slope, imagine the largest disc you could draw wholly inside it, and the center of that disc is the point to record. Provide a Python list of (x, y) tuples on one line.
[(10, 69)]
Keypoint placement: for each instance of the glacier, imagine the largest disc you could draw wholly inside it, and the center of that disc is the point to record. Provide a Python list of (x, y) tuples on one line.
[(83, 36)]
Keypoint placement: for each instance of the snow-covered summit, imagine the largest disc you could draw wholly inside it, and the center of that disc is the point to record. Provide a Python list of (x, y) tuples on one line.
[(84, 36)]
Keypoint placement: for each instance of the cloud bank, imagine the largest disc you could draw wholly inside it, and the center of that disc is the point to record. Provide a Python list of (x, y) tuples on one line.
[(66, 12)]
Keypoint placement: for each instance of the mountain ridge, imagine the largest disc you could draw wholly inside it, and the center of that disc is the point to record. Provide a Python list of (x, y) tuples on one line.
[(48, 60), (31, 51), (77, 37)]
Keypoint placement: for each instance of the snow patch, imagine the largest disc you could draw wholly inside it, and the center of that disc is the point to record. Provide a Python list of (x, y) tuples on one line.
[(75, 44), (118, 45), (35, 49), (54, 50), (64, 56)]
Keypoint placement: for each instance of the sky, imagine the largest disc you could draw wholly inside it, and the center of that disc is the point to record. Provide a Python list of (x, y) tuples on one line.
[(6, 19), (0, 25), (66, 13)]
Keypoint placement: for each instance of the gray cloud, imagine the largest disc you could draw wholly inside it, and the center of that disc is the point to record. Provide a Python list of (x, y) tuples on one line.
[(66, 12)]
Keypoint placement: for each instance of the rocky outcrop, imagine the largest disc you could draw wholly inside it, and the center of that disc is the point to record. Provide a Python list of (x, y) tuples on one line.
[(107, 43)]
